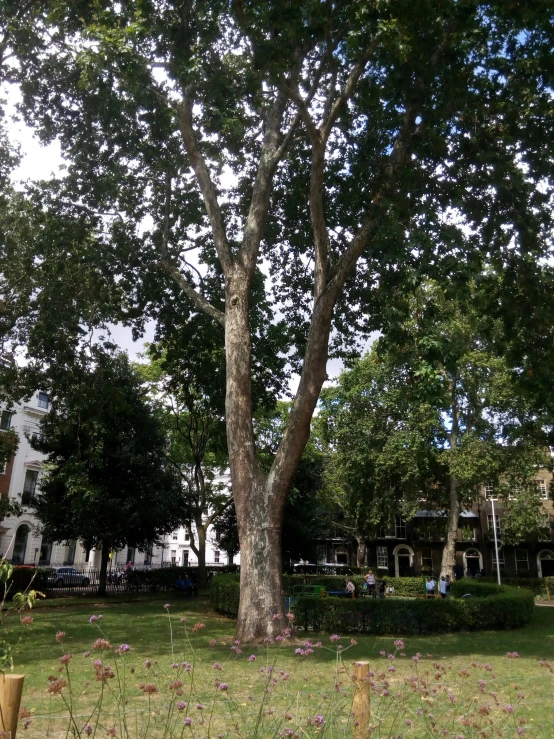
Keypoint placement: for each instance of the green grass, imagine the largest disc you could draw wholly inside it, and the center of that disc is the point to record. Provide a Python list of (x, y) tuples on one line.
[(146, 628)]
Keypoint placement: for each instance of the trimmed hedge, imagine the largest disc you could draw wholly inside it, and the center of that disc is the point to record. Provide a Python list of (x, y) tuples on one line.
[(491, 607), (507, 608), (410, 587), (225, 594)]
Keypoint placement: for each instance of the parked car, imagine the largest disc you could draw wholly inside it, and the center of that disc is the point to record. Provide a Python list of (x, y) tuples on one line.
[(67, 576)]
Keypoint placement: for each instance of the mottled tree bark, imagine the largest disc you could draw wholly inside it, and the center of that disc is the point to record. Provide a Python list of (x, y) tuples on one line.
[(104, 559), (449, 551), (361, 555)]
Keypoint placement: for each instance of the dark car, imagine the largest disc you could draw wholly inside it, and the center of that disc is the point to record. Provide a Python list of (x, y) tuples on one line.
[(67, 576)]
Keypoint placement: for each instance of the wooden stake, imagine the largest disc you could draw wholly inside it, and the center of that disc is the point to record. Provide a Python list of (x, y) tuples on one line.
[(360, 705), (11, 689)]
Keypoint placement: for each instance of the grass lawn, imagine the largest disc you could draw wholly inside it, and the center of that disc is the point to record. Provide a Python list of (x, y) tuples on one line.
[(304, 686)]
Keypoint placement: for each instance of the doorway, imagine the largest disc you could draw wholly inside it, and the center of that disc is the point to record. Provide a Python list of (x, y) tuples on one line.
[(20, 544)]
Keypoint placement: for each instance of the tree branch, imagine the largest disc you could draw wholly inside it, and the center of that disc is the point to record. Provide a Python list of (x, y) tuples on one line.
[(205, 183), (196, 298), (347, 91), (259, 204)]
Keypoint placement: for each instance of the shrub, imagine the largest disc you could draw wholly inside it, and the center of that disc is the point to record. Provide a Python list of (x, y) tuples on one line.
[(225, 594), (403, 586), (23, 576), (499, 608)]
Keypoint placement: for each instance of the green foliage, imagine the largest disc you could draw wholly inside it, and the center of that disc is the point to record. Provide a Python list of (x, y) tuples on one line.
[(164, 577), (225, 594), (506, 608), (107, 480)]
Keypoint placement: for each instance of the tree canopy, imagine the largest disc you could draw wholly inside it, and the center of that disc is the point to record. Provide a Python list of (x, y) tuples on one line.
[(107, 482), (282, 167)]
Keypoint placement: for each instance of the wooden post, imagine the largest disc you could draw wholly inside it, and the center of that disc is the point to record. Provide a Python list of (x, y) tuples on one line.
[(360, 705), (11, 689)]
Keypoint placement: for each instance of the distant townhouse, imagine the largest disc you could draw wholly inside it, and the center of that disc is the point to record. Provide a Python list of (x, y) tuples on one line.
[(414, 547), (20, 538)]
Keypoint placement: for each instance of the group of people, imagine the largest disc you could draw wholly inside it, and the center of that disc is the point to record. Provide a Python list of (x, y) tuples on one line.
[(444, 586), (185, 585)]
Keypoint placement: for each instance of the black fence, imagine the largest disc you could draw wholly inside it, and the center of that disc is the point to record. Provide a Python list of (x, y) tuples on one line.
[(75, 581)]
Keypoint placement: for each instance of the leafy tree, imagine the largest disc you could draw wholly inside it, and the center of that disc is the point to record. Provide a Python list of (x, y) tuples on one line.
[(434, 412), (194, 423), (384, 447), (107, 482), (326, 142)]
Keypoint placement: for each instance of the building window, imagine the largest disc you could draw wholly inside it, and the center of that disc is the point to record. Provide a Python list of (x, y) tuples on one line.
[(175, 535), (497, 523), (69, 555), (488, 489), (43, 400), (522, 561), (500, 560), (543, 490), (382, 558), (426, 560), (131, 555), (400, 527), (216, 557), (515, 492), (185, 558), (148, 556), (187, 536), (5, 421), (173, 556), (29, 486), (3, 468)]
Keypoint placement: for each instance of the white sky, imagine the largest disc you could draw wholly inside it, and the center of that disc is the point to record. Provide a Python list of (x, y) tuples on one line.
[(41, 162)]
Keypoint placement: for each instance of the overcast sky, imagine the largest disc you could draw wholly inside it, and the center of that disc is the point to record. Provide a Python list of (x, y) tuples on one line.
[(40, 162)]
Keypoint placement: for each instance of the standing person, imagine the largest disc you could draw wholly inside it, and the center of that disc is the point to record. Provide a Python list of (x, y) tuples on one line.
[(382, 588), (442, 586), (370, 583), (448, 586), (430, 586), (128, 566)]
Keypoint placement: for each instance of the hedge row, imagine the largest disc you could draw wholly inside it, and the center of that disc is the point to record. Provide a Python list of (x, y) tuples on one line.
[(225, 593), (508, 608), (490, 607), (403, 586)]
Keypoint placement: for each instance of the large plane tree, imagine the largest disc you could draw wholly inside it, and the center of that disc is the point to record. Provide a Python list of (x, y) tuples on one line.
[(321, 145)]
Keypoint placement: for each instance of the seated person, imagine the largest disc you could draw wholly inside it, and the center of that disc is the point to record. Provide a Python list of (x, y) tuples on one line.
[(188, 585), (350, 588)]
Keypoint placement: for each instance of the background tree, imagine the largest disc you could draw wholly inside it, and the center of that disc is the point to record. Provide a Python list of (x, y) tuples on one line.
[(347, 132), (108, 481), (434, 412), (384, 447), (190, 408)]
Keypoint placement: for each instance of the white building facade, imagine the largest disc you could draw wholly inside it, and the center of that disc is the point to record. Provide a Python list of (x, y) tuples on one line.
[(20, 538)]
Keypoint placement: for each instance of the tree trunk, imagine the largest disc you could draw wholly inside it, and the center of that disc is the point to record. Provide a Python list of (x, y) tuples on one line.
[(104, 559), (261, 583), (260, 499), (449, 551), (201, 555), (361, 556)]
